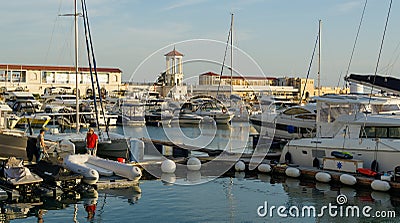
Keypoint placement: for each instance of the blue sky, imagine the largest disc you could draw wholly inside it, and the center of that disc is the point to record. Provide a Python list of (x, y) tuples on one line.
[(273, 37)]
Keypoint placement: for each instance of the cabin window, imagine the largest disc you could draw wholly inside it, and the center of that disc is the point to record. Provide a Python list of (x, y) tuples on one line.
[(368, 132), (380, 132), (394, 132)]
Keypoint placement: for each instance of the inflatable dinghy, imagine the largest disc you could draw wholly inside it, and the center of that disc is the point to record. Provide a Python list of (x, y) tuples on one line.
[(84, 163)]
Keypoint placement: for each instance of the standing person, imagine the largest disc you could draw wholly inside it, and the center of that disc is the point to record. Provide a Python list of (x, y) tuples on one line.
[(91, 142), (40, 146)]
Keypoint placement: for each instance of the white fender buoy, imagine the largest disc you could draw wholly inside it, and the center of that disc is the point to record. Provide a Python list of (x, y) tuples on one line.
[(168, 166), (240, 166), (380, 185), (348, 179), (264, 168), (292, 172), (323, 177), (193, 164)]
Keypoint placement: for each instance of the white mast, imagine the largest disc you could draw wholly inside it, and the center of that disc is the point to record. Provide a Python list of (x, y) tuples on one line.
[(76, 65), (319, 57), (231, 56)]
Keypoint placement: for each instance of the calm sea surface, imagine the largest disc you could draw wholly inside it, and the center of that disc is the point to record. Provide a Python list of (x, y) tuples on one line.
[(225, 199)]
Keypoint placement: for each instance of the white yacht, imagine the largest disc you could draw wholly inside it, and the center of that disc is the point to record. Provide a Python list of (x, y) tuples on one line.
[(130, 112), (351, 124), (208, 107), (267, 110), (290, 123)]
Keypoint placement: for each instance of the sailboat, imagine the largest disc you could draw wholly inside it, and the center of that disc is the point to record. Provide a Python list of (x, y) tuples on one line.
[(235, 106), (111, 145)]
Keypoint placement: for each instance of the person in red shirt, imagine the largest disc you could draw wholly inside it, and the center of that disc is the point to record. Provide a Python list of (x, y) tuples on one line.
[(91, 142)]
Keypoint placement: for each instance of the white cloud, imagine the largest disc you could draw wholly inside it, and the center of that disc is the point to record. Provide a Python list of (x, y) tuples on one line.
[(349, 6), (183, 3)]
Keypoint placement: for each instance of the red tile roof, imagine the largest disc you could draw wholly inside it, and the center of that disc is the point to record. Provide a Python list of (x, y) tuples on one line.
[(55, 68), (239, 77), (174, 53)]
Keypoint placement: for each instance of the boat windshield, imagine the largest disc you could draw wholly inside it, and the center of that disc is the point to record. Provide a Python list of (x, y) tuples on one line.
[(329, 112)]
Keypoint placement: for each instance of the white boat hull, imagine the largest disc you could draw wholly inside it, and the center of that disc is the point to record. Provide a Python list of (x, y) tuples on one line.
[(385, 152)]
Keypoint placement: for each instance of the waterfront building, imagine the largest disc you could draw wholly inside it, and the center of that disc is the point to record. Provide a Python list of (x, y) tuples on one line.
[(332, 90), (247, 87), (36, 78)]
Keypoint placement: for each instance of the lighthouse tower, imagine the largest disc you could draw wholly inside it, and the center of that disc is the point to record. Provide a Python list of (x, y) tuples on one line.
[(174, 71), (173, 76)]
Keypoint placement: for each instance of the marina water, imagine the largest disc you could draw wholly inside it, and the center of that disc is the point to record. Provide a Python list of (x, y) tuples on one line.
[(231, 198)]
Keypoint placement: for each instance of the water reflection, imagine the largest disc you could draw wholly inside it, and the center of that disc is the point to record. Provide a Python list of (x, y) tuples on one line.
[(131, 194), (86, 205)]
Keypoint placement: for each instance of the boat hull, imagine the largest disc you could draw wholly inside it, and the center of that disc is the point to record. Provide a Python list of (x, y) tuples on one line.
[(117, 148), (304, 151), (13, 145)]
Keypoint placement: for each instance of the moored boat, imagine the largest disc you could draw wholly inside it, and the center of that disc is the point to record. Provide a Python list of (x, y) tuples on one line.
[(351, 124)]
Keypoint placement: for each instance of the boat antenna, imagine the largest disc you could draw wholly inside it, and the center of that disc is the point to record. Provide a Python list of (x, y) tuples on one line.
[(380, 51), (309, 68), (354, 45), (226, 50)]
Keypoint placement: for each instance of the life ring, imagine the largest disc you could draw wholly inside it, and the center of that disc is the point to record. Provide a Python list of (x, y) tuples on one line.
[(224, 110)]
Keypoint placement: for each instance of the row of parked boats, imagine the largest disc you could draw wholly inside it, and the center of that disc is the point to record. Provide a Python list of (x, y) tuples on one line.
[(363, 127), (58, 107)]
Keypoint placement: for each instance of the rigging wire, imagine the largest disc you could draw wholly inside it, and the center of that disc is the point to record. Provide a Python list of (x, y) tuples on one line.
[(95, 71), (52, 32), (354, 46), (90, 62), (223, 61), (380, 51), (389, 68), (309, 67)]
